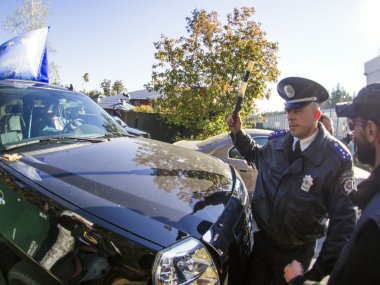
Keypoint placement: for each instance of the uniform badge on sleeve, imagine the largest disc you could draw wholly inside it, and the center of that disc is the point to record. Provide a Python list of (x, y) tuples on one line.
[(348, 182), (307, 183)]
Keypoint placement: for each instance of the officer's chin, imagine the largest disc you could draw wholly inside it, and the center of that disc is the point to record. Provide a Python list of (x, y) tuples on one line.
[(293, 131)]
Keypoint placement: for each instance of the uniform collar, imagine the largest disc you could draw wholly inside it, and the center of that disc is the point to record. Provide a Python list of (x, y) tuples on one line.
[(320, 143), (304, 143), (312, 152)]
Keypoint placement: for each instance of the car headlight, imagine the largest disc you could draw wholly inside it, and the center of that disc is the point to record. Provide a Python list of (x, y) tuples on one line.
[(239, 191), (187, 262)]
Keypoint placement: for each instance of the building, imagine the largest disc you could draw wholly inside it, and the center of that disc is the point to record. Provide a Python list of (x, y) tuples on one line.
[(372, 70), (136, 98)]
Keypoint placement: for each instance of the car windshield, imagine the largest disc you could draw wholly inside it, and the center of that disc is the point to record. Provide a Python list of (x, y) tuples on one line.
[(30, 112)]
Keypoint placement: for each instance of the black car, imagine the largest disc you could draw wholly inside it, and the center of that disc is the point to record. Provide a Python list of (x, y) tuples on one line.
[(221, 146), (133, 131), (83, 202)]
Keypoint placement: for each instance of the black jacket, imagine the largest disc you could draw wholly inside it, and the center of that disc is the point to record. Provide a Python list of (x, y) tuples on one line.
[(291, 202), (359, 261)]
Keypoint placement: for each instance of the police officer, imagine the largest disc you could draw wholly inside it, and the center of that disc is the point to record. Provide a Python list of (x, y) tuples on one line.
[(303, 176), (359, 261)]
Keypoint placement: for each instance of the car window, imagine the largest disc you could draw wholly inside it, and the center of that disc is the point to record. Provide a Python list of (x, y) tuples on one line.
[(234, 153), (212, 140), (30, 112)]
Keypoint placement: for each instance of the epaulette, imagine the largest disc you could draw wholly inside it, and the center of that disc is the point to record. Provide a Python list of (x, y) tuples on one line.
[(342, 152), (278, 133)]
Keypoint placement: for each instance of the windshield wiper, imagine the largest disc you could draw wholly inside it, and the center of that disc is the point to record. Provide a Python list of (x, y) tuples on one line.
[(17, 145), (68, 138), (51, 139), (118, 134)]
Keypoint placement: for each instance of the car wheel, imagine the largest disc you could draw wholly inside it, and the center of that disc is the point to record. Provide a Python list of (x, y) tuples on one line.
[(24, 274)]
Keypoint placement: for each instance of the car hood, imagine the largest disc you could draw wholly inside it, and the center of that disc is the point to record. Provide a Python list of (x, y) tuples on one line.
[(155, 190)]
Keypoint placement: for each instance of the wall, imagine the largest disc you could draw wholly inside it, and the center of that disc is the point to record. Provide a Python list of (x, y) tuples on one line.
[(372, 70)]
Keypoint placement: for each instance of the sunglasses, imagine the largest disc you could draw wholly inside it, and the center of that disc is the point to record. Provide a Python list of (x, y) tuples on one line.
[(353, 123)]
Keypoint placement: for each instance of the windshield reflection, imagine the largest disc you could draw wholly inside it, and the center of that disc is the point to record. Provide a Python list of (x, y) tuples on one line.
[(29, 113)]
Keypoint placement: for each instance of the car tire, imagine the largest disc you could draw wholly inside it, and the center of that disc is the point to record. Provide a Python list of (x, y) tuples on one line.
[(24, 274)]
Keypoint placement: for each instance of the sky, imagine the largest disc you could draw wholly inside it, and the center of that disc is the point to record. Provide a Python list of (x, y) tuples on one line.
[(326, 40)]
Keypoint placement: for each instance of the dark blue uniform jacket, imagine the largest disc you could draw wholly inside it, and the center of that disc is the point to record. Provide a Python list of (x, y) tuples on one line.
[(291, 202)]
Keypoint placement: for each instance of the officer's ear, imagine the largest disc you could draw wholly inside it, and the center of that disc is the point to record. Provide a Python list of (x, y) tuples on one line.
[(317, 114)]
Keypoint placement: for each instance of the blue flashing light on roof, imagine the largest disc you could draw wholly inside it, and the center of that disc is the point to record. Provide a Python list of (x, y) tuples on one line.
[(25, 57)]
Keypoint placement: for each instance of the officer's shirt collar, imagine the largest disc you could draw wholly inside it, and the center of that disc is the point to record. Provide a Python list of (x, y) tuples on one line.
[(304, 143)]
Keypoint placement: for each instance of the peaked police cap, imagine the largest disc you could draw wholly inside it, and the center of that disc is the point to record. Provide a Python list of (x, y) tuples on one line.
[(299, 92)]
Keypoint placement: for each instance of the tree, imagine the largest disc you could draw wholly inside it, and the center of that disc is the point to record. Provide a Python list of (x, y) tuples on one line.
[(92, 93), (31, 15), (54, 73), (106, 86), (199, 75), (118, 87), (338, 94), (85, 78)]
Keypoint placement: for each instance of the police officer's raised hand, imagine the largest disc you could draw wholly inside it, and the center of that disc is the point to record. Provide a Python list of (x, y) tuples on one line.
[(292, 270), (233, 126)]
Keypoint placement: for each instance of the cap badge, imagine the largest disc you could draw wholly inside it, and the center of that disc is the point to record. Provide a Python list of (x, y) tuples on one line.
[(289, 91), (307, 183)]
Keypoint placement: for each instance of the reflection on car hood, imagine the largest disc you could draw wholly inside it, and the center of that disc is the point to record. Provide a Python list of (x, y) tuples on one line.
[(153, 189)]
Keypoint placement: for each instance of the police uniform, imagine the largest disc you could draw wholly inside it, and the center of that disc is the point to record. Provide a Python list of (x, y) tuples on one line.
[(293, 198)]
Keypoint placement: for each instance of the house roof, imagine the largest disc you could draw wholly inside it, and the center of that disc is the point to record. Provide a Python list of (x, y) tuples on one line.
[(143, 94), (110, 101)]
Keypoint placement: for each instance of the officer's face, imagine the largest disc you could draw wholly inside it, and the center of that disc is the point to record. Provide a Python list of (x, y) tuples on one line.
[(365, 150), (303, 122)]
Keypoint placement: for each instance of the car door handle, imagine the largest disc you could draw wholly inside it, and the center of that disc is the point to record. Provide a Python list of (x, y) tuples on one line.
[(242, 170)]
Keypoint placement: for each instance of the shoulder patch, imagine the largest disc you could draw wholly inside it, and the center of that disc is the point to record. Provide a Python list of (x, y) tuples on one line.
[(342, 152), (278, 133), (347, 182)]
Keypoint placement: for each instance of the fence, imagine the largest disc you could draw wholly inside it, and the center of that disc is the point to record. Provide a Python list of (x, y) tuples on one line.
[(154, 124), (161, 130), (279, 121)]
